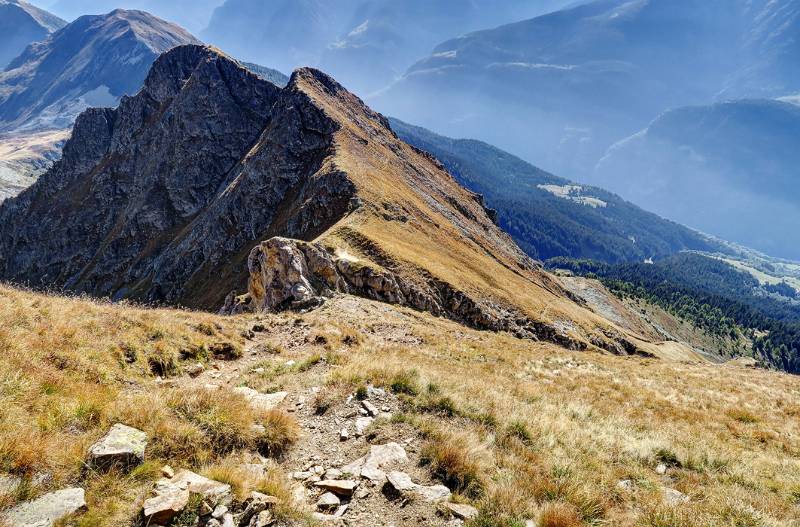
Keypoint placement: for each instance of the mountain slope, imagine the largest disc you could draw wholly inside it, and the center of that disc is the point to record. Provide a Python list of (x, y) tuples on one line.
[(561, 88), (728, 169), (191, 14), (365, 44), (168, 198), (550, 216), (91, 62), (21, 24)]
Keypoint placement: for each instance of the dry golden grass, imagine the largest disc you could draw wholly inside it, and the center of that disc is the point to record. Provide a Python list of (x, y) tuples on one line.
[(523, 430), (557, 431), (69, 369)]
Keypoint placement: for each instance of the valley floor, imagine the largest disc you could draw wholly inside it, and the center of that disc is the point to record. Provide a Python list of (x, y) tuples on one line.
[(524, 431)]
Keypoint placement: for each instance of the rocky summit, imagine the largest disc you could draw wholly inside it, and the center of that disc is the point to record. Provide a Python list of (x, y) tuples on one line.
[(212, 183)]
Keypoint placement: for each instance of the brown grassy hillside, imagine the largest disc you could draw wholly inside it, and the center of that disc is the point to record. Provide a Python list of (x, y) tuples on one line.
[(522, 430)]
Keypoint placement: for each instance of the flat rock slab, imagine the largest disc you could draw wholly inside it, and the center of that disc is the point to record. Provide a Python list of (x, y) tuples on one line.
[(261, 401), (369, 466), (45, 511), (122, 446), (402, 482), (461, 511), (172, 495), (338, 486)]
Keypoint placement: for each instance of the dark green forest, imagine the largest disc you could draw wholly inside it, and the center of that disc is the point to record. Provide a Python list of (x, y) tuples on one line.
[(711, 294), (545, 225)]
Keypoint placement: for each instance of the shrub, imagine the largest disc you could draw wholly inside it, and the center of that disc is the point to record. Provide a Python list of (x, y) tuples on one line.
[(451, 460)]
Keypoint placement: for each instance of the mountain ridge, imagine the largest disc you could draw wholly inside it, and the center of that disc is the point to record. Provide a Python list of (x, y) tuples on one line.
[(21, 24)]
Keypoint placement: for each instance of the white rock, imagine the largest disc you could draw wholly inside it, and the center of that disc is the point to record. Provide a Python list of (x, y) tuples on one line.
[(344, 435), (461, 511), (661, 469), (369, 466), (219, 512), (434, 493), (626, 485), (674, 497), (401, 481), (261, 401), (122, 446), (46, 510), (328, 501), (362, 423)]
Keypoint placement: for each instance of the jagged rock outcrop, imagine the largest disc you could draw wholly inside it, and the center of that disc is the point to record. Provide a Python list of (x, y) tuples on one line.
[(212, 180)]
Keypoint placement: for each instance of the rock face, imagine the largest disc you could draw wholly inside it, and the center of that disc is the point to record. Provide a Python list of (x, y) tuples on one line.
[(122, 446), (44, 512), (21, 24), (91, 62), (212, 179)]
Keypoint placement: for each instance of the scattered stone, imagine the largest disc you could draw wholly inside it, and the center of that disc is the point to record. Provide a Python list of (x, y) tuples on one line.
[(167, 504), (302, 476), (318, 469), (219, 512), (255, 504), (342, 487), (227, 521), (290, 363), (400, 481), (172, 495), (46, 510), (661, 469), (261, 401), (205, 509), (379, 455), (375, 392), (341, 510), (194, 370), (213, 522), (626, 485), (362, 423), (262, 519), (328, 501), (167, 472), (362, 493), (674, 497), (434, 493), (122, 447), (462, 511), (344, 435), (259, 370), (370, 408)]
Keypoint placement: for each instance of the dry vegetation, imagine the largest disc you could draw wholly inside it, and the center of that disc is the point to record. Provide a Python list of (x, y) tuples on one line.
[(69, 369), (522, 430)]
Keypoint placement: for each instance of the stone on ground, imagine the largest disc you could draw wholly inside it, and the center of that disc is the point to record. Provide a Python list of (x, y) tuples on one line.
[(434, 493), (46, 510), (172, 495), (8, 484), (261, 401), (674, 497), (369, 466), (400, 481), (342, 487), (328, 501), (122, 446), (462, 511)]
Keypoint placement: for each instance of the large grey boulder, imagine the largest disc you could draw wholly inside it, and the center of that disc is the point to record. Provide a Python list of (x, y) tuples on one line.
[(379, 456), (172, 495), (46, 510), (261, 401), (123, 446)]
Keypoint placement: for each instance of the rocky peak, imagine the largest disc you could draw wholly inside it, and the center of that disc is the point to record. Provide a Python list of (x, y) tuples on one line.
[(21, 24), (212, 180), (92, 61)]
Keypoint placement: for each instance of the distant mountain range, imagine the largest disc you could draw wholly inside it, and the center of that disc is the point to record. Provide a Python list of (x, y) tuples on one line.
[(91, 62), (550, 216), (190, 14), (21, 24), (364, 43), (729, 168)]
